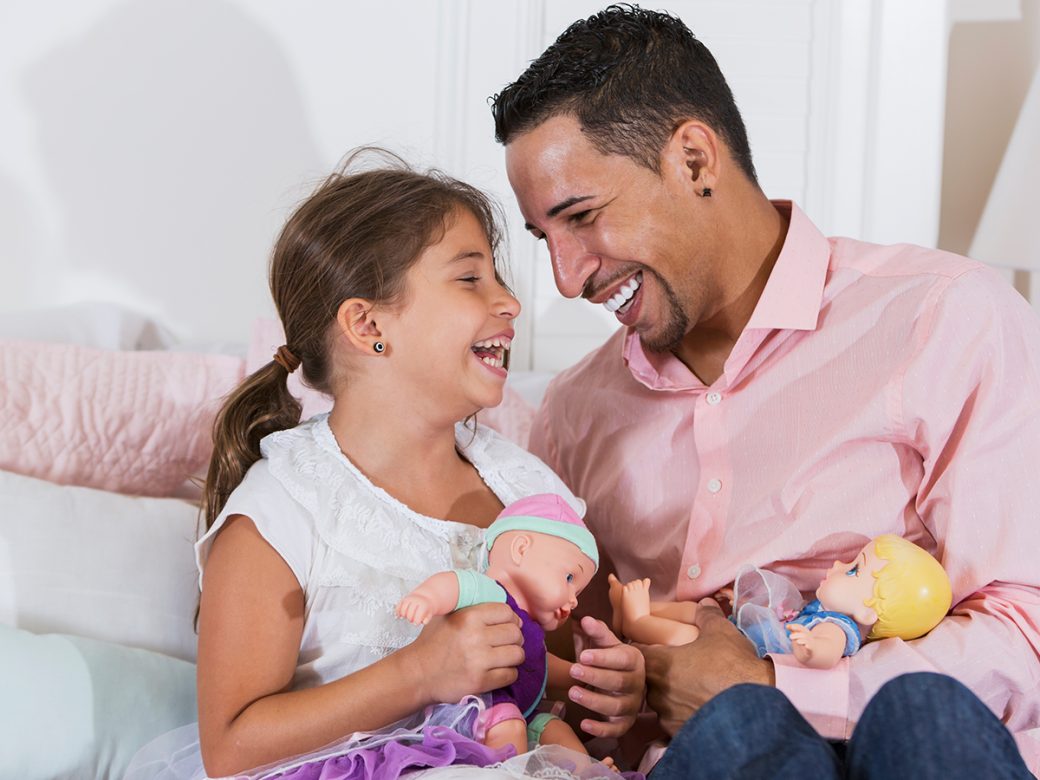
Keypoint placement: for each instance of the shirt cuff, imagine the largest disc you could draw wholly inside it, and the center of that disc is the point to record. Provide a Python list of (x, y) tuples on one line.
[(820, 695)]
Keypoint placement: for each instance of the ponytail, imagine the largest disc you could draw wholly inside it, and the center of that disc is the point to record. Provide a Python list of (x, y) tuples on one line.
[(262, 404)]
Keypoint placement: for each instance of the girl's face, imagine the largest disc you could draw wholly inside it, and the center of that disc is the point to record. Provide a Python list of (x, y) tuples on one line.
[(450, 336), (551, 575)]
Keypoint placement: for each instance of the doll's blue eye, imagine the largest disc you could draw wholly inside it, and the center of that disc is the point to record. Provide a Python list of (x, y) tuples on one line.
[(570, 578), (853, 572)]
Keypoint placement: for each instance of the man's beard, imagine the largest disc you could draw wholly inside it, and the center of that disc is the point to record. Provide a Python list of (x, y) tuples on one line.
[(675, 326)]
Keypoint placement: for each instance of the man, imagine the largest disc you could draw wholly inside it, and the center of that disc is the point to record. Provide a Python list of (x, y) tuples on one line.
[(775, 397)]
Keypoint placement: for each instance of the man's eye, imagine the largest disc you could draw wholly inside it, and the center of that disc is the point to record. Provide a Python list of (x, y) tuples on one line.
[(581, 217), (853, 572)]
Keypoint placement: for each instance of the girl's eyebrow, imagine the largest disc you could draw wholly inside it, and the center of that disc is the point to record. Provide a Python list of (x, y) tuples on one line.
[(467, 254)]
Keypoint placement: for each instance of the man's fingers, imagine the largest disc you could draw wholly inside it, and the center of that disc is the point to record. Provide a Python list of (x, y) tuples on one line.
[(708, 611), (501, 634), (598, 632), (619, 657)]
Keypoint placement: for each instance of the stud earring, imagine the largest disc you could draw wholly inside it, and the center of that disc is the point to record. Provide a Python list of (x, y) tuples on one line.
[(706, 192), (379, 347)]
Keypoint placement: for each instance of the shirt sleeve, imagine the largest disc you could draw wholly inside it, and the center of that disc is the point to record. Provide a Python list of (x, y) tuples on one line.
[(477, 588), (968, 402), (279, 518)]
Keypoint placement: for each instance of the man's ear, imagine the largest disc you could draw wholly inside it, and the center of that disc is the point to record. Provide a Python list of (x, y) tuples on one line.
[(693, 155), (519, 547), (356, 321)]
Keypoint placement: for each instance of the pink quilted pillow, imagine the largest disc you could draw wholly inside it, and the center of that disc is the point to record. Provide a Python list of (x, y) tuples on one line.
[(140, 422), (130, 422)]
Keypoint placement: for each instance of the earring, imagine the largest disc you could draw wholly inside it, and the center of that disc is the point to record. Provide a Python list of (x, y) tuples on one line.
[(379, 347), (706, 192)]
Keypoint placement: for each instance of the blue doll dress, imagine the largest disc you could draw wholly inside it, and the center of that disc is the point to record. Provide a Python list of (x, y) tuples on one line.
[(765, 602)]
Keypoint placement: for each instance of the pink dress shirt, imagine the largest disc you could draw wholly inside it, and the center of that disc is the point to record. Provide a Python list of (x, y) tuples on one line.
[(876, 389)]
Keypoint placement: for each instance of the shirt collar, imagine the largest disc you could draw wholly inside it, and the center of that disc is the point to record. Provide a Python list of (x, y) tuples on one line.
[(791, 300)]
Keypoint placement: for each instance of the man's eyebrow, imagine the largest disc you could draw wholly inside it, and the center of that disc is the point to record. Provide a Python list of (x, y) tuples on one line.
[(561, 206), (566, 204)]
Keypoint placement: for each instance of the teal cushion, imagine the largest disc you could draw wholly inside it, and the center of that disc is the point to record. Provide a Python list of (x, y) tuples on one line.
[(75, 707)]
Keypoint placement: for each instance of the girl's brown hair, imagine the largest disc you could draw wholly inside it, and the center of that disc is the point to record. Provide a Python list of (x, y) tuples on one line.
[(356, 236)]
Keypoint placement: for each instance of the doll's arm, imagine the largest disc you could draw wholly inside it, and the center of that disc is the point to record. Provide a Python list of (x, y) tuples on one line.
[(437, 595), (820, 647)]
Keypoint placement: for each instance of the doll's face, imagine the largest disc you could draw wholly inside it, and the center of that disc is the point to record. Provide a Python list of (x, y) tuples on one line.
[(548, 578), (849, 585)]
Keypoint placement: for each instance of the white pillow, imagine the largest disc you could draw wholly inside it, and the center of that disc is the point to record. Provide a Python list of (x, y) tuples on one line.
[(80, 708), (87, 562), (89, 324)]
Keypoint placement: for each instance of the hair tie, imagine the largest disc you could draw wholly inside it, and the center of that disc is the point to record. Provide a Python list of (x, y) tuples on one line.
[(286, 359)]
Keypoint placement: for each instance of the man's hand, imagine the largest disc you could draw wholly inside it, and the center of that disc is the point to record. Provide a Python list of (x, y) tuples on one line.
[(613, 681), (680, 680)]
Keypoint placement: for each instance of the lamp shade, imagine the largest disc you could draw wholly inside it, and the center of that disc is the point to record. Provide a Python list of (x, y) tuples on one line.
[(1008, 235)]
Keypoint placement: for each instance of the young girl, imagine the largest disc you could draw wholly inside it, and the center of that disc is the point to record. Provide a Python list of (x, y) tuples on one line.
[(386, 286)]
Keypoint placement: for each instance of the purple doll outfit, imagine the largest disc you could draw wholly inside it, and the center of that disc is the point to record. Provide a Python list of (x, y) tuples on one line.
[(529, 688)]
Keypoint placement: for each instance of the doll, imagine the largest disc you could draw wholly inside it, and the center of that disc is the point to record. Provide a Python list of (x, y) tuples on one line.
[(892, 588), (539, 557)]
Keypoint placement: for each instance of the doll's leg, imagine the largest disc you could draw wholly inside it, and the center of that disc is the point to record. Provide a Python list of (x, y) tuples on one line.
[(503, 724), (547, 729), (640, 624), (508, 732)]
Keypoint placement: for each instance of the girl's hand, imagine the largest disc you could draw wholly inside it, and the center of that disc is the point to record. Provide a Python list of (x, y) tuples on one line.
[(473, 650), (613, 681)]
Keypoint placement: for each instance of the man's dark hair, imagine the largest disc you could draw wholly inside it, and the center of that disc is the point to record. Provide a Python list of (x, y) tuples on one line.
[(631, 77)]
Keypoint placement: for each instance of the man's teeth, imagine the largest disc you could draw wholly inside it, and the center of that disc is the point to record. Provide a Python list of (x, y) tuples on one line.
[(623, 295)]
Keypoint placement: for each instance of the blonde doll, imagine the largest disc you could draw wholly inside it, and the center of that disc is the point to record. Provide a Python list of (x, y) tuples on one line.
[(891, 588)]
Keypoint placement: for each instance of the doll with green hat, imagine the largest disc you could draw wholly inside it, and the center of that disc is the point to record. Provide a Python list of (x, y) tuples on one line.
[(539, 557)]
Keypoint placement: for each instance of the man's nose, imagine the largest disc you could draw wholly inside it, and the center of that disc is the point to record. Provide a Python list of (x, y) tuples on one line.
[(572, 265)]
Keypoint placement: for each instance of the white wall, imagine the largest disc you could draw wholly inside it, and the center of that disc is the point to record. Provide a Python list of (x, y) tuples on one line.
[(150, 149)]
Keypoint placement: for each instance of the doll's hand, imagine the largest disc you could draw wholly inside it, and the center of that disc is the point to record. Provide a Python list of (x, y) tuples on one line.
[(473, 650), (415, 609), (613, 681), (801, 642)]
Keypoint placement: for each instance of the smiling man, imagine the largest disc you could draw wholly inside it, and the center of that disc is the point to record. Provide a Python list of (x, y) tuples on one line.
[(776, 397)]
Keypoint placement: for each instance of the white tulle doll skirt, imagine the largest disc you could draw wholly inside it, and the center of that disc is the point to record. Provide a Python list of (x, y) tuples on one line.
[(436, 743), (763, 604)]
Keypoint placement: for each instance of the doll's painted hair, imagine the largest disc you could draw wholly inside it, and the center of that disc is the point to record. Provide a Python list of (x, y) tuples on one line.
[(911, 591), (356, 236)]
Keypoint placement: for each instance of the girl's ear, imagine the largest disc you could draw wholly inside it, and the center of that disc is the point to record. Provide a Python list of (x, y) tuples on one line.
[(356, 320), (519, 547)]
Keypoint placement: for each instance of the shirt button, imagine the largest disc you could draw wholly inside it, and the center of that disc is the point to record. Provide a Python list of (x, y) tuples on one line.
[(694, 571), (714, 485), (714, 398)]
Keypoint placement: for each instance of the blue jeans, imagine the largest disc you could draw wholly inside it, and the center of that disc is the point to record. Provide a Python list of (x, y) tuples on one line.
[(918, 726)]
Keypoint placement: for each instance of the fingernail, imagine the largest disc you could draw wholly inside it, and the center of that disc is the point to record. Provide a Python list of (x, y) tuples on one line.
[(575, 693), (577, 671), (587, 657)]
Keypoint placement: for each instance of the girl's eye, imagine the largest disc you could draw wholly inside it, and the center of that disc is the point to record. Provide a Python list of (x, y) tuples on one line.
[(470, 279), (853, 572)]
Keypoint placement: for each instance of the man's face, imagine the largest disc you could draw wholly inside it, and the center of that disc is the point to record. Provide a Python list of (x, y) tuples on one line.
[(618, 234)]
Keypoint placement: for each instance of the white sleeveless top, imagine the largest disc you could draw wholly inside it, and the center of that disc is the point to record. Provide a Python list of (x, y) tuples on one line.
[(356, 550)]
